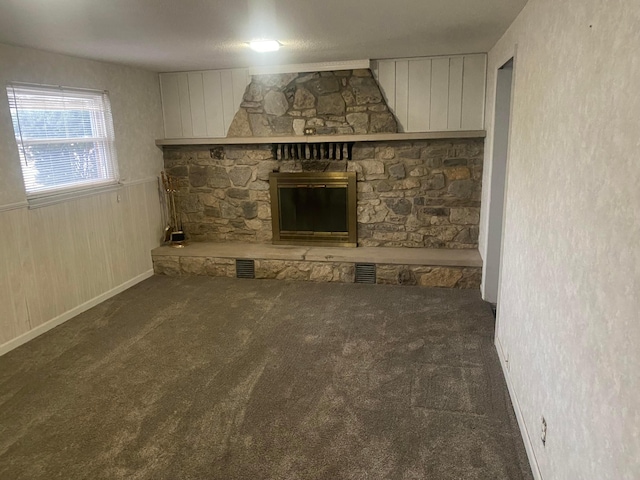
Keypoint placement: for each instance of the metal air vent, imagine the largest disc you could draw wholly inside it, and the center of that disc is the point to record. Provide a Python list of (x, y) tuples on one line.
[(245, 268), (365, 273), (313, 151)]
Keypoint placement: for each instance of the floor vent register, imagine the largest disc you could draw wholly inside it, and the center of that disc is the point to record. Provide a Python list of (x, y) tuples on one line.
[(365, 273), (245, 268)]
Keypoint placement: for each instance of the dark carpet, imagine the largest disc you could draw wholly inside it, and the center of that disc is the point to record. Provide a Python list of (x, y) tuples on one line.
[(214, 378)]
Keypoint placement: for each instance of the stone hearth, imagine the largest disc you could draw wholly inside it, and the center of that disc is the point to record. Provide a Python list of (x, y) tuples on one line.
[(394, 266)]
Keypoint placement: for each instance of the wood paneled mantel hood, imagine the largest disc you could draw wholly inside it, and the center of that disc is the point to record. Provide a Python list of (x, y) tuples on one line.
[(360, 101)]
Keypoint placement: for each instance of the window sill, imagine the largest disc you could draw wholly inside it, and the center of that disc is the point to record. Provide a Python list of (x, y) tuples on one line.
[(55, 198)]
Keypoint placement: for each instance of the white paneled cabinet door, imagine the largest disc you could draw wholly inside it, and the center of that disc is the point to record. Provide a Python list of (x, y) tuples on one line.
[(433, 94), (201, 104)]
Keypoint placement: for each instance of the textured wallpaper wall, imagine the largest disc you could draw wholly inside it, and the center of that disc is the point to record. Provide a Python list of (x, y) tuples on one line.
[(568, 318), (135, 105)]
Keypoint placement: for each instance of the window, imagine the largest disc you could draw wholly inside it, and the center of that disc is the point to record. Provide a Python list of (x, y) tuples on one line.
[(65, 138)]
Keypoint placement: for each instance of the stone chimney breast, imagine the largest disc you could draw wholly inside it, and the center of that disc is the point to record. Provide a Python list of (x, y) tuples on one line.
[(333, 103)]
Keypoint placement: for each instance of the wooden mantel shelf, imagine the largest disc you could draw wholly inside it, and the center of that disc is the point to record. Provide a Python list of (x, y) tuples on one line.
[(376, 137)]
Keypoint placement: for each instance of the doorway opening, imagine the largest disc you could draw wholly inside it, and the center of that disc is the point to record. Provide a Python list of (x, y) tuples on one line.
[(502, 118)]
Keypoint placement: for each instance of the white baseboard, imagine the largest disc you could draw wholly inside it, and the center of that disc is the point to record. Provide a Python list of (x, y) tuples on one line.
[(69, 314), (535, 469)]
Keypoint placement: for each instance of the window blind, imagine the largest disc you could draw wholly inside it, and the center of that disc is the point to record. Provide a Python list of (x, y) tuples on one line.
[(65, 138)]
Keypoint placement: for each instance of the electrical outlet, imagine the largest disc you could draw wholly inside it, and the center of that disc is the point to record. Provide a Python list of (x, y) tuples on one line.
[(543, 432)]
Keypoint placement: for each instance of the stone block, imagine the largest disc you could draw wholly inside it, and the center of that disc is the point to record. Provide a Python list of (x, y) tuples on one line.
[(265, 168), (465, 216), (212, 212), (281, 125), (307, 77), (361, 152), (371, 167), (440, 277), (457, 173), (410, 152), (293, 272), (434, 182), (240, 125), (361, 72), (385, 152), (298, 126), (238, 193), (461, 188), (359, 122), (407, 184), (303, 99), (228, 211), (371, 214), (195, 265), (383, 122), (349, 98), (275, 103), (445, 233), (260, 125), (178, 171), (418, 171), (390, 236), (253, 93), (471, 278), (240, 176), (189, 203), (198, 176), (315, 123), (217, 177), (322, 86), (249, 209), (332, 104), (237, 223), (406, 276), (455, 162), (383, 186), (321, 272), (259, 185), (264, 211), (167, 265), (254, 224), (399, 207), (366, 90), (398, 171)]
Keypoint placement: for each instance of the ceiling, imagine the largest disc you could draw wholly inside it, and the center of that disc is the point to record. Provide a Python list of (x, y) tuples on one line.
[(178, 35)]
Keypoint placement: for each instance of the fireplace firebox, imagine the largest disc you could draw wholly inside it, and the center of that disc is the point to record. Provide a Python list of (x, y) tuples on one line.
[(314, 208)]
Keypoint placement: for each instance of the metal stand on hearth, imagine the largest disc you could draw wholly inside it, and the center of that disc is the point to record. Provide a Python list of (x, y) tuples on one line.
[(173, 233)]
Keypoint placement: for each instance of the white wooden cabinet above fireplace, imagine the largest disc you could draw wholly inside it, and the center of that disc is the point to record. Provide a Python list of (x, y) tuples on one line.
[(427, 94)]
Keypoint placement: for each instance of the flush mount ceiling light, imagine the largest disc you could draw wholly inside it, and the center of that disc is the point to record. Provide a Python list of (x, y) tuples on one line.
[(264, 45)]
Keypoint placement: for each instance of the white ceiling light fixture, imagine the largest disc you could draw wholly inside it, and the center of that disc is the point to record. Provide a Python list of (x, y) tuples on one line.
[(265, 45)]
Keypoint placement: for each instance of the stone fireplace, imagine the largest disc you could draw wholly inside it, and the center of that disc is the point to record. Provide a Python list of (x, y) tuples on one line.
[(409, 193)]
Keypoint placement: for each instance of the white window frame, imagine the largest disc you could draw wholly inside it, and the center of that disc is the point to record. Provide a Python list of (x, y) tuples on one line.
[(22, 95)]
